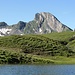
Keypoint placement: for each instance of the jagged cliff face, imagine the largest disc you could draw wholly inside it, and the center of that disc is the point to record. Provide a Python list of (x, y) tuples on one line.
[(50, 22), (45, 23)]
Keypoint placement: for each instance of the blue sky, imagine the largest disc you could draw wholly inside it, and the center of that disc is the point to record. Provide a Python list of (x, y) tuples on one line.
[(12, 11)]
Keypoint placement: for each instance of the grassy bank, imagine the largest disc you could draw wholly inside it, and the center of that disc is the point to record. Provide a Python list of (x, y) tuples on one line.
[(13, 57)]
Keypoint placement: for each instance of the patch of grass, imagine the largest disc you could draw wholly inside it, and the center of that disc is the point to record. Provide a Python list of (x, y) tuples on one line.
[(71, 45), (52, 59), (62, 36)]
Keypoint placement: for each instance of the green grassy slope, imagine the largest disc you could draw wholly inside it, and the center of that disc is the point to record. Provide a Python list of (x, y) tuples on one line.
[(62, 36), (35, 44), (45, 48), (68, 37)]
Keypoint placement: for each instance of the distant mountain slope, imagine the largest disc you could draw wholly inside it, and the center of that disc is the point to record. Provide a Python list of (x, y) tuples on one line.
[(20, 25), (18, 28), (43, 22)]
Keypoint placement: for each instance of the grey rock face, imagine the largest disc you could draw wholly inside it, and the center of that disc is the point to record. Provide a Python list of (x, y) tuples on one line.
[(45, 23), (18, 29), (16, 32), (20, 25)]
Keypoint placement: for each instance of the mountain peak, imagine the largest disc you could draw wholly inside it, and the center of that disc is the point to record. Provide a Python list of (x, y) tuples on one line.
[(3, 24), (45, 22), (21, 22), (44, 15), (20, 25)]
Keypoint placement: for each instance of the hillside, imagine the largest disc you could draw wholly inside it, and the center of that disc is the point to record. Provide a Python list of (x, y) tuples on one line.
[(45, 48), (64, 36), (67, 37), (42, 23)]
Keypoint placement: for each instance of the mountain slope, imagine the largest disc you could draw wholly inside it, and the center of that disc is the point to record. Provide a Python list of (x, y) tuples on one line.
[(18, 28), (45, 23)]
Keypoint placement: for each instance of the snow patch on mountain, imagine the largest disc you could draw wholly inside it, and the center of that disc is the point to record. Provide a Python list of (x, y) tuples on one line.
[(4, 31), (40, 30)]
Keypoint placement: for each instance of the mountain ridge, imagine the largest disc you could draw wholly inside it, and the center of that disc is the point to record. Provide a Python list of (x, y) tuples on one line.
[(44, 22)]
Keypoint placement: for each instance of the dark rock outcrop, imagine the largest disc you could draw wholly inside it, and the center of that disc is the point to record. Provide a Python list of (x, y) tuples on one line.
[(3, 25)]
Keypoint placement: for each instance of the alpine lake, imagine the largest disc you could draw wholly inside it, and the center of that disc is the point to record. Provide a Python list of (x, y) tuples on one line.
[(37, 69)]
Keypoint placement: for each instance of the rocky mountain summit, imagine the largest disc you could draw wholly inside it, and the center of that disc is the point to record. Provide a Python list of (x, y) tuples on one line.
[(43, 22)]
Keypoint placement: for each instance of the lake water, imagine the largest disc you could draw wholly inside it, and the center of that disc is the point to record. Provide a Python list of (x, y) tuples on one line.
[(37, 70)]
